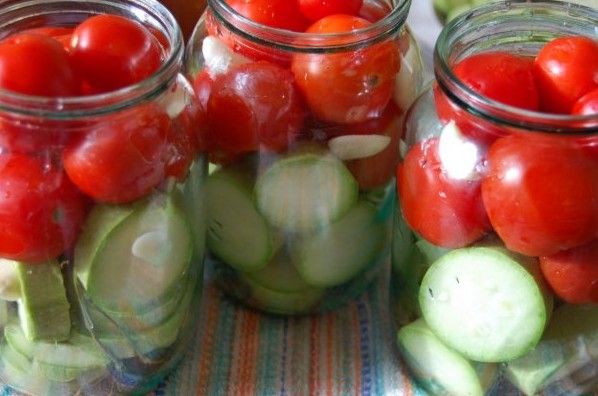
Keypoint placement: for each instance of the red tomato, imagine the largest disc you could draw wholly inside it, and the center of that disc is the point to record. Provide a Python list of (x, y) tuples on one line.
[(112, 52), (250, 49), (347, 87), (41, 212), (565, 70), (573, 274), (185, 142), (446, 212), (122, 158), (587, 104), (251, 106), (51, 31), (282, 14), (541, 193), (499, 76), (35, 64), (317, 9), (25, 135)]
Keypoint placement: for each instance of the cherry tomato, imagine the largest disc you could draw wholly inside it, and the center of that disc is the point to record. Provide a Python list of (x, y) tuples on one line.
[(34, 64), (185, 142), (251, 106), (282, 14), (587, 104), (445, 211), (565, 70), (121, 158), (41, 212), (347, 87), (500, 76), (541, 193), (112, 52), (250, 49), (317, 9), (573, 274)]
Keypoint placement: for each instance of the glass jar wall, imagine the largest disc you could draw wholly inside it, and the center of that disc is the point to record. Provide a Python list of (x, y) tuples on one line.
[(302, 135), (494, 266), (102, 209)]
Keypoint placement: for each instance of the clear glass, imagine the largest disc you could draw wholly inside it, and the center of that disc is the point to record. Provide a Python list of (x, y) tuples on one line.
[(470, 291), (106, 299), (301, 165)]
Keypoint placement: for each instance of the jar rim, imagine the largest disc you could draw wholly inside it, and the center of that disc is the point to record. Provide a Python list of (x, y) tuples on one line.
[(468, 30), (153, 12), (287, 40)]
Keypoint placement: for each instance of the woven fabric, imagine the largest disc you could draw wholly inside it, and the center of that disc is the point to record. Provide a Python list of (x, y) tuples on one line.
[(238, 351)]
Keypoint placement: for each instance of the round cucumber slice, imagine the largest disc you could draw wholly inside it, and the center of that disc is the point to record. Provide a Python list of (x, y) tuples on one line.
[(129, 258), (79, 352), (485, 303), (237, 233), (439, 368), (280, 275), (283, 303), (337, 253), (305, 192)]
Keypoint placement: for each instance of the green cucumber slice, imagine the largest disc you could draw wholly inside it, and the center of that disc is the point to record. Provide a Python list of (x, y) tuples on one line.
[(437, 367), (280, 275), (44, 310), (80, 352), (569, 343), (486, 303), (305, 192), (284, 303), (237, 233), (337, 253), (129, 258)]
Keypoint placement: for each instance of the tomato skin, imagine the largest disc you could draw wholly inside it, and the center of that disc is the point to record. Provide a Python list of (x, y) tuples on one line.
[(282, 14), (41, 212), (587, 104), (500, 76), (318, 9), (565, 70), (446, 212), (252, 106), (112, 52), (541, 193), (347, 87), (573, 274), (21, 58), (121, 159)]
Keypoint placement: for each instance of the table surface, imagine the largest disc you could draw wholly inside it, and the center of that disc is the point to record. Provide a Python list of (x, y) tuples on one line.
[(237, 351)]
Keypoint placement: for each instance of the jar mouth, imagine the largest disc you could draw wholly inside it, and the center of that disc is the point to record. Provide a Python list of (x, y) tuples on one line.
[(19, 15), (287, 40), (522, 28)]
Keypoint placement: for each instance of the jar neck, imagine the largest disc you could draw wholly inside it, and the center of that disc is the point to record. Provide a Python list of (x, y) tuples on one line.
[(286, 40), (16, 16), (521, 28)]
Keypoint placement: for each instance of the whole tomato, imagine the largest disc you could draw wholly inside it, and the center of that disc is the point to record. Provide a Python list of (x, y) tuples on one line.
[(282, 14), (122, 157), (317, 9), (541, 193), (565, 70), (112, 52), (445, 211), (573, 274), (500, 76), (41, 212), (350, 86), (36, 64), (252, 106)]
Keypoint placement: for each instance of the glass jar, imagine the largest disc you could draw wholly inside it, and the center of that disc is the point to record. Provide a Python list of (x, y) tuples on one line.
[(449, 9), (102, 216), (302, 135), (497, 209)]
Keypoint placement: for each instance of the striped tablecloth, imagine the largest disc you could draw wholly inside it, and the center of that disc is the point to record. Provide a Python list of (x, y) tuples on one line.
[(238, 351)]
